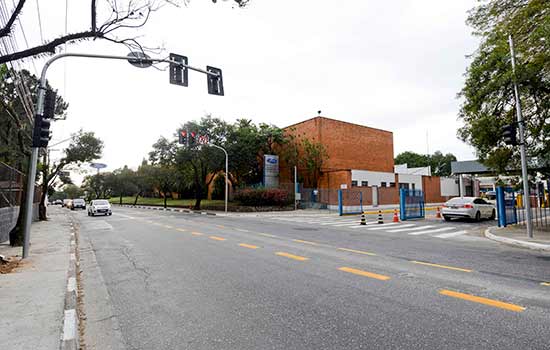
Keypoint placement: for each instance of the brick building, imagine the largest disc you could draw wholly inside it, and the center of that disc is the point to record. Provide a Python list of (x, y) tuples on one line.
[(361, 158)]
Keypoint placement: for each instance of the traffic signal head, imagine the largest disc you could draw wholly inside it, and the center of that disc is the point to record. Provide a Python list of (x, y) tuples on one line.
[(41, 132), (215, 81), (178, 73), (182, 137), (509, 134)]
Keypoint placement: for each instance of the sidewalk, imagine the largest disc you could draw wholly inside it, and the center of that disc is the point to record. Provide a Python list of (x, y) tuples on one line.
[(32, 296), (517, 236)]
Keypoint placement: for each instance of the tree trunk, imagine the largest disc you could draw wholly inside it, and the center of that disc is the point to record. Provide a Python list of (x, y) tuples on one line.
[(164, 200), (42, 206), (137, 196), (16, 234), (120, 199)]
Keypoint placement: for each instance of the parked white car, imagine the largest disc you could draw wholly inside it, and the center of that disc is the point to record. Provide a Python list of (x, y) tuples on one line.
[(78, 203), (99, 206), (468, 207)]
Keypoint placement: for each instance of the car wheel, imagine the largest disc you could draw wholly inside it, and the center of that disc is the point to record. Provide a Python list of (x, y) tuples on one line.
[(478, 216), (110, 214), (446, 218), (88, 213), (493, 215)]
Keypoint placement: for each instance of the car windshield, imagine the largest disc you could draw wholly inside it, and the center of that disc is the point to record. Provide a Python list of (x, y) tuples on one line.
[(459, 200), (101, 202), (79, 200)]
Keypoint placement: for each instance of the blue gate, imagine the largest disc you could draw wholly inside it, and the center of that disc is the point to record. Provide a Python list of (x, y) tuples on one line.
[(506, 206), (350, 202), (411, 204)]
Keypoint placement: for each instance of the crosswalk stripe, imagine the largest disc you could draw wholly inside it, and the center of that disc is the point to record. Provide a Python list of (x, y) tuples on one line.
[(335, 222), (374, 223), (451, 234), (383, 226), (411, 229), (432, 231)]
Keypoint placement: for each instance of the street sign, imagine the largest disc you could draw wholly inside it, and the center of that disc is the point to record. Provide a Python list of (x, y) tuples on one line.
[(98, 165), (139, 59), (178, 73), (215, 82)]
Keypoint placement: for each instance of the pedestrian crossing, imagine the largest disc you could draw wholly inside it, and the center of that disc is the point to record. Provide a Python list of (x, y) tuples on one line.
[(413, 229)]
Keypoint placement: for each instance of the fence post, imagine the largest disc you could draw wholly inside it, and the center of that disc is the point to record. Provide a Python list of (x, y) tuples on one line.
[(361, 201), (501, 207), (402, 196), (340, 203)]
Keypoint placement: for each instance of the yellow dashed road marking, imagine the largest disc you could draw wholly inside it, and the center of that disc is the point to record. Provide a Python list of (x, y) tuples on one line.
[(292, 256), (441, 266), (364, 273), (216, 238), (545, 284), (481, 300), (356, 251), (248, 246), (305, 242)]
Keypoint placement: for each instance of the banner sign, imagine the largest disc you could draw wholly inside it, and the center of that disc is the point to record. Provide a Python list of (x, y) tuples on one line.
[(271, 170)]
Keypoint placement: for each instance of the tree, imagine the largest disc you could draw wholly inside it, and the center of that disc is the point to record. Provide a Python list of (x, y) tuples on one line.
[(84, 147), (488, 94), (120, 16), (440, 164), (72, 191), (121, 182), (313, 157), (203, 160)]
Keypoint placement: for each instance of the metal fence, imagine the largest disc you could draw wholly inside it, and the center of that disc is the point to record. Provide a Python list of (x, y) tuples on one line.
[(511, 208), (350, 202), (11, 186), (322, 198), (411, 204)]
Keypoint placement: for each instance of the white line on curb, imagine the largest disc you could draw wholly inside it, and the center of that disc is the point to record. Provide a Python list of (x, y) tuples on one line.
[(69, 325), (71, 284)]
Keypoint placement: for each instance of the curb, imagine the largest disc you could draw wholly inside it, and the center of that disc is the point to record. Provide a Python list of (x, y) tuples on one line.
[(152, 207), (70, 335), (516, 242)]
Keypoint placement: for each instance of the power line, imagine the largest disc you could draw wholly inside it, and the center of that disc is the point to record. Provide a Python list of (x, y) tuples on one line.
[(39, 22)]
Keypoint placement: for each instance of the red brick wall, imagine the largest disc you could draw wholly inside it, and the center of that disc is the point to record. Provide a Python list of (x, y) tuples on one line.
[(431, 185)]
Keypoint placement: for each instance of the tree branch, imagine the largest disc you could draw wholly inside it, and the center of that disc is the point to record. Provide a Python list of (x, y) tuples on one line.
[(7, 29), (48, 47)]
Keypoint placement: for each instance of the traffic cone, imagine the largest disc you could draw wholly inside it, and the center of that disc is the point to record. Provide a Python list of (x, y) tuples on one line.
[(380, 218), (363, 219), (438, 213), (395, 217)]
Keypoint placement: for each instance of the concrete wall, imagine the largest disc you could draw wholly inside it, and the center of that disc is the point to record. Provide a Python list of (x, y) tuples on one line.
[(411, 179), (8, 219), (374, 178), (449, 186)]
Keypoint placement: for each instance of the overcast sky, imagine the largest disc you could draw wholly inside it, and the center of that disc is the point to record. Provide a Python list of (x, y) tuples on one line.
[(391, 65)]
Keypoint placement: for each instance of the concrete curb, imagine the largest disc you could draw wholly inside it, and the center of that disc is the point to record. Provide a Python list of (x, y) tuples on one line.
[(178, 210), (70, 335), (516, 242)]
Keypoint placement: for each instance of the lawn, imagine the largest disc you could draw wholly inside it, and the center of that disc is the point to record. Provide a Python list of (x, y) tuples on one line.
[(170, 202)]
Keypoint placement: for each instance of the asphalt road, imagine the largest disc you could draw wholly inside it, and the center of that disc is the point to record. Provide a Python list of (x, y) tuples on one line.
[(187, 281)]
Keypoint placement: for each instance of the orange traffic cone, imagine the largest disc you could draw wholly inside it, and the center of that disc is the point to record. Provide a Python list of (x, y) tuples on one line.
[(395, 217), (438, 213)]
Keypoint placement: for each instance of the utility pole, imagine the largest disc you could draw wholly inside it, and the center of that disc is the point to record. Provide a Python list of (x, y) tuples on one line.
[(525, 175)]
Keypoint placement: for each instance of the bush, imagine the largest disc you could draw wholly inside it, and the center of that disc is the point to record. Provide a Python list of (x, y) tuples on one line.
[(263, 197)]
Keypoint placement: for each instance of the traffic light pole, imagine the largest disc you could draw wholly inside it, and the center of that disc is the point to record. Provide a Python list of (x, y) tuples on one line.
[(31, 175), (226, 171), (525, 175)]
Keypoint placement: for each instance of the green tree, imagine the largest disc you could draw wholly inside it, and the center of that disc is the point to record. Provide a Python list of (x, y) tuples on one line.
[(121, 182), (412, 159), (72, 191), (84, 147), (313, 157), (439, 163), (488, 94)]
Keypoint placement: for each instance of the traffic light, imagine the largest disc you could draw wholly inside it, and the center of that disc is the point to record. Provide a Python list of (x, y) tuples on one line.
[(182, 137), (178, 74), (509, 134), (192, 140), (215, 82), (41, 132)]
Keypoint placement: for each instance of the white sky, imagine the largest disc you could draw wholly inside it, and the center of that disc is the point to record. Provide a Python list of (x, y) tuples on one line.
[(392, 65)]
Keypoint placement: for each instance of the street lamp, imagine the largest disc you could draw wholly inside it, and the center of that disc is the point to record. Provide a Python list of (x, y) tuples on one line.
[(139, 59)]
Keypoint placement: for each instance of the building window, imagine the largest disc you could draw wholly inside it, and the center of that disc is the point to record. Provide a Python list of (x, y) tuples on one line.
[(382, 184), (364, 183), (392, 184), (412, 186), (354, 183), (404, 185)]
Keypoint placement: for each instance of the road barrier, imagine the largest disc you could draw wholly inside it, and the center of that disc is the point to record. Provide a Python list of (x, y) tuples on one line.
[(363, 219), (380, 217)]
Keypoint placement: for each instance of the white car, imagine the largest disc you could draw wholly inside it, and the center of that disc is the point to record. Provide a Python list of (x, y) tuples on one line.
[(78, 203), (468, 207), (99, 206)]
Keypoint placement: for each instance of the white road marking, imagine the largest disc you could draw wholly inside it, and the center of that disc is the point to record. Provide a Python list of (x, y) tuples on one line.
[(69, 325), (412, 229), (71, 284), (432, 231), (451, 234), (374, 223), (383, 226)]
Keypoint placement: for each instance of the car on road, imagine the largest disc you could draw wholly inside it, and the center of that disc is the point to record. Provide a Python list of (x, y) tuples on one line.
[(99, 206), (66, 203), (468, 207), (57, 202), (78, 203)]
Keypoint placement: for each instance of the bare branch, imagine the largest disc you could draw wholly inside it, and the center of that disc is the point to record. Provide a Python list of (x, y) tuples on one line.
[(7, 29), (48, 47)]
